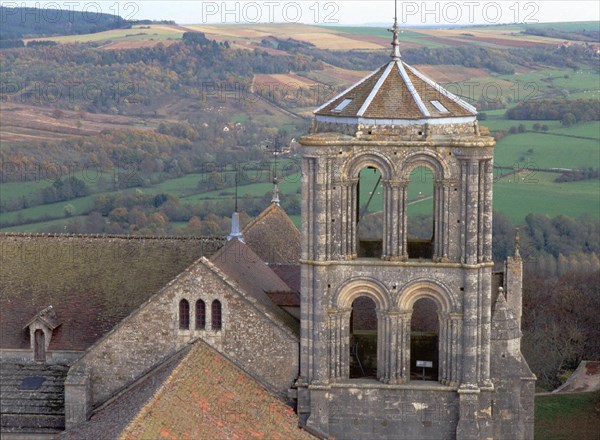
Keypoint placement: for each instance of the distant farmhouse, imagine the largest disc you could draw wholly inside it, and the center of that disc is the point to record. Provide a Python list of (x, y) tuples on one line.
[(280, 334)]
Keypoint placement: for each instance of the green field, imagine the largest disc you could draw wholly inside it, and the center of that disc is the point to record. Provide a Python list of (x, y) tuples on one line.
[(537, 193), (566, 26), (44, 226), (406, 35), (136, 33), (567, 416), (547, 151)]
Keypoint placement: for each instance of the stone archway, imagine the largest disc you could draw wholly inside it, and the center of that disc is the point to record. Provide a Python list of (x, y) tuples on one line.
[(438, 248), (340, 314), (351, 178), (449, 329)]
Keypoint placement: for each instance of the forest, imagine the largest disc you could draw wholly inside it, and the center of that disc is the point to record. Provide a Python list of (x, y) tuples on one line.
[(126, 81), (19, 23)]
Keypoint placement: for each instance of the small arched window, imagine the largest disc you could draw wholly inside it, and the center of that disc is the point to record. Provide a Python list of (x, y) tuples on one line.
[(184, 314), (200, 315), (216, 315)]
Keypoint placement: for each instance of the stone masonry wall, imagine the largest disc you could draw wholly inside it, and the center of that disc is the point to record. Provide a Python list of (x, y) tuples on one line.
[(149, 335)]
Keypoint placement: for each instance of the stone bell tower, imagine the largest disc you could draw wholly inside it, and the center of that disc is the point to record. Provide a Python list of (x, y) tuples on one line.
[(394, 121)]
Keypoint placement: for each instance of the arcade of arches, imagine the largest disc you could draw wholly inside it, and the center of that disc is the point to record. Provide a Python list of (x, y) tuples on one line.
[(377, 336)]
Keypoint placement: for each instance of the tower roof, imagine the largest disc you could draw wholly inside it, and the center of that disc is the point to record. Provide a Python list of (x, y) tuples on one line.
[(396, 94)]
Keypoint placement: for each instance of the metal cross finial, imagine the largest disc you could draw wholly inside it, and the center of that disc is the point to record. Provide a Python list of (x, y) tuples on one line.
[(395, 30)]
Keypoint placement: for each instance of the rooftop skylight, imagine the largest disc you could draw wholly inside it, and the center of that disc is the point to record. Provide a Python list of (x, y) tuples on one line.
[(440, 108), (342, 105)]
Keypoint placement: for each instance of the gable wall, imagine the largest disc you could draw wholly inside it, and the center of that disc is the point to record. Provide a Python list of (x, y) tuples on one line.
[(263, 348)]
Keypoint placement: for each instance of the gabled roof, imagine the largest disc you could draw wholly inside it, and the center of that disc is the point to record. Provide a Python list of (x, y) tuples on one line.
[(394, 93), (253, 276), (110, 420), (92, 282), (274, 237), (47, 317), (209, 397)]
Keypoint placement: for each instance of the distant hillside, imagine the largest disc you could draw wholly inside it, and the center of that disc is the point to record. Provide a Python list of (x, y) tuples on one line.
[(19, 23)]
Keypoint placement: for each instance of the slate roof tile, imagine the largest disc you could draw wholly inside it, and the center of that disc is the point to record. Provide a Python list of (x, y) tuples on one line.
[(91, 282), (274, 237)]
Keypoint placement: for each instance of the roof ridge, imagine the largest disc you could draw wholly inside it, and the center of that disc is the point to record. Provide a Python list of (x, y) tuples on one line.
[(108, 236), (349, 89), (442, 90), (376, 89), (413, 91)]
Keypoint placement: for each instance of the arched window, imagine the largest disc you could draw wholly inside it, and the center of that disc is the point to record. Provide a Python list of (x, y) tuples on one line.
[(216, 315), (369, 213), (184, 314), (420, 213), (424, 351), (200, 315), (363, 338)]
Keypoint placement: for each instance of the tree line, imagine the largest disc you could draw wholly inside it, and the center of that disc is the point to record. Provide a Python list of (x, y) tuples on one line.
[(21, 22), (567, 111), (130, 81)]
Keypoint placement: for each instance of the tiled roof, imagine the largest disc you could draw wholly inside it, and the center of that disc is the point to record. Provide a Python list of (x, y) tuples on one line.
[(253, 276), (110, 420), (46, 316), (32, 397), (207, 397), (396, 91), (289, 273), (274, 237), (91, 282)]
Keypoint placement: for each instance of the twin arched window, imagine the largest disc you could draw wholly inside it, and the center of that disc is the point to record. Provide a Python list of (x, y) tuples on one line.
[(184, 315)]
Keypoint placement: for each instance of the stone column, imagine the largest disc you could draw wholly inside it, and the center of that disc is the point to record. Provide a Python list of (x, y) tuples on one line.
[(352, 221), (471, 190), (334, 344), (344, 344), (486, 326), (447, 185), (404, 318), (394, 347), (454, 357), (383, 344), (470, 329), (488, 171), (443, 348), (403, 218), (344, 220)]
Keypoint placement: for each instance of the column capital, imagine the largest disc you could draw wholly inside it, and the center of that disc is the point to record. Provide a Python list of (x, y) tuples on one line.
[(398, 183), (447, 183), (347, 181)]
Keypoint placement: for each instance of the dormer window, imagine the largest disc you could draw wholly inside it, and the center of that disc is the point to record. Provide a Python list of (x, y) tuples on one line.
[(41, 327), (439, 107), (342, 105)]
